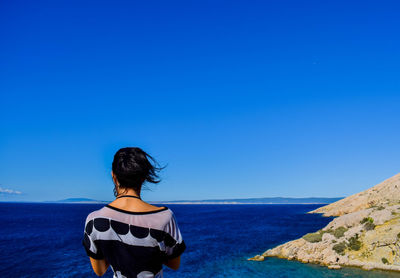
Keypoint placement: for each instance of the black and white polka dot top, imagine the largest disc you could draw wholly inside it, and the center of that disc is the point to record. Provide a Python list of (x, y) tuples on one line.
[(135, 244)]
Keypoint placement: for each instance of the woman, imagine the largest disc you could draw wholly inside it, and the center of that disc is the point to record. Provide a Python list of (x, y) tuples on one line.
[(132, 236)]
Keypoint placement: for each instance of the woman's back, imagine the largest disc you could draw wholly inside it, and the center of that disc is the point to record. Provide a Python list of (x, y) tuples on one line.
[(134, 243), (132, 236)]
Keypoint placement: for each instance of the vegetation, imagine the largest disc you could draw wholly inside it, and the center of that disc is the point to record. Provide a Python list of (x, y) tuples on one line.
[(385, 261), (398, 235), (339, 232), (367, 219), (369, 226), (317, 236), (314, 237), (366, 253), (354, 243), (368, 223), (339, 248)]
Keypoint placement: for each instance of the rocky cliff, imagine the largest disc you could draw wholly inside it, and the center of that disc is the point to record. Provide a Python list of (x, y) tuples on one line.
[(365, 233)]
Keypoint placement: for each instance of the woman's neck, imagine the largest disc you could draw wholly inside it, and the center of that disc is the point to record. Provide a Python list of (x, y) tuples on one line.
[(129, 191)]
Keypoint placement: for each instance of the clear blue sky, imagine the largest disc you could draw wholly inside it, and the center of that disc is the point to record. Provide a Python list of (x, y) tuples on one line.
[(239, 98)]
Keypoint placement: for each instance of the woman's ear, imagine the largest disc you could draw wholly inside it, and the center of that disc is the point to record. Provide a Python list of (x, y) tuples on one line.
[(114, 178)]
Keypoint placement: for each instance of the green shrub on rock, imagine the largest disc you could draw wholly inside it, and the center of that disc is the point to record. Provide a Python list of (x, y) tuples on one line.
[(313, 237), (339, 232), (385, 261), (354, 243), (369, 226), (367, 219), (339, 248)]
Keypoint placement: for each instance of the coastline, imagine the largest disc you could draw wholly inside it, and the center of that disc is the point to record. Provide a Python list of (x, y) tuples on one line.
[(365, 232)]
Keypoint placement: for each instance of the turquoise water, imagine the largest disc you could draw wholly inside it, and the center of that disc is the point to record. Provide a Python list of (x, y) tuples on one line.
[(44, 240)]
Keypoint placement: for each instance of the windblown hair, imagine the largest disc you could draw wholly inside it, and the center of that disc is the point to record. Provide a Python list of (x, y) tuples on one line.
[(132, 167)]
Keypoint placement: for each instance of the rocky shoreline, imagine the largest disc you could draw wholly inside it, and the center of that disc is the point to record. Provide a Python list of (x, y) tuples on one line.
[(365, 232)]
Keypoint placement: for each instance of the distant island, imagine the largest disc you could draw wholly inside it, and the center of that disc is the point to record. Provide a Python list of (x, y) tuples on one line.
[(365, 232), (268, 200)]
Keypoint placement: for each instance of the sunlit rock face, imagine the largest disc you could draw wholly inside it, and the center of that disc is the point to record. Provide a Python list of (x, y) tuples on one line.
[(383, 194)]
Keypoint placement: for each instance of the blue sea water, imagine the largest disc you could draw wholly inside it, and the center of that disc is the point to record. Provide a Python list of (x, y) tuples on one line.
[(44, 240)]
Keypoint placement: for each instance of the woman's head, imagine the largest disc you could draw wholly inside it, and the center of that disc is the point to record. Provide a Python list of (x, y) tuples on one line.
[(131, 167)]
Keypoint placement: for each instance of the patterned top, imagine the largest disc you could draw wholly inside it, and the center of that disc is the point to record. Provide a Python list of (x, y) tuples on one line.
[(135, 244)]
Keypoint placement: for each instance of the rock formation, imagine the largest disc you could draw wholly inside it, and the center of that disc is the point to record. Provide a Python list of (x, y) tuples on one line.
[(365, 234)]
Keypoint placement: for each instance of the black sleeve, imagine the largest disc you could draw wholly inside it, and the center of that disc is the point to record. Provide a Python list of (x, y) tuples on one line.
[(174, 244)]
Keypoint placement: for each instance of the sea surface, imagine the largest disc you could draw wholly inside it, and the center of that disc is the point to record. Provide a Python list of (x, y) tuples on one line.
[(44, 240)]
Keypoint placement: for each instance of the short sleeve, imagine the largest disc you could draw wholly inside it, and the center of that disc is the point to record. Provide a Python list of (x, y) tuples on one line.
[(89, 243), (174, 244)]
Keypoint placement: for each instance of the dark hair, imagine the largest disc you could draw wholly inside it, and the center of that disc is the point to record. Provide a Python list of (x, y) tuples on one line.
[(132, 167)]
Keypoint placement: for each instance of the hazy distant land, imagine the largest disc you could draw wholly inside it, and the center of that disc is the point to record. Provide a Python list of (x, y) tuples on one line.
[(267, 200)]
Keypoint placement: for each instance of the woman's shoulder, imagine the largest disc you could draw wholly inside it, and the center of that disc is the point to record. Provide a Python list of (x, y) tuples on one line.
[(109, 211), (95, 214), (158, 219)]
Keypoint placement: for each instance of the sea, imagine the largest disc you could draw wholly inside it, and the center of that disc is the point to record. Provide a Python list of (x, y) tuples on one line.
[(44, 240)]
